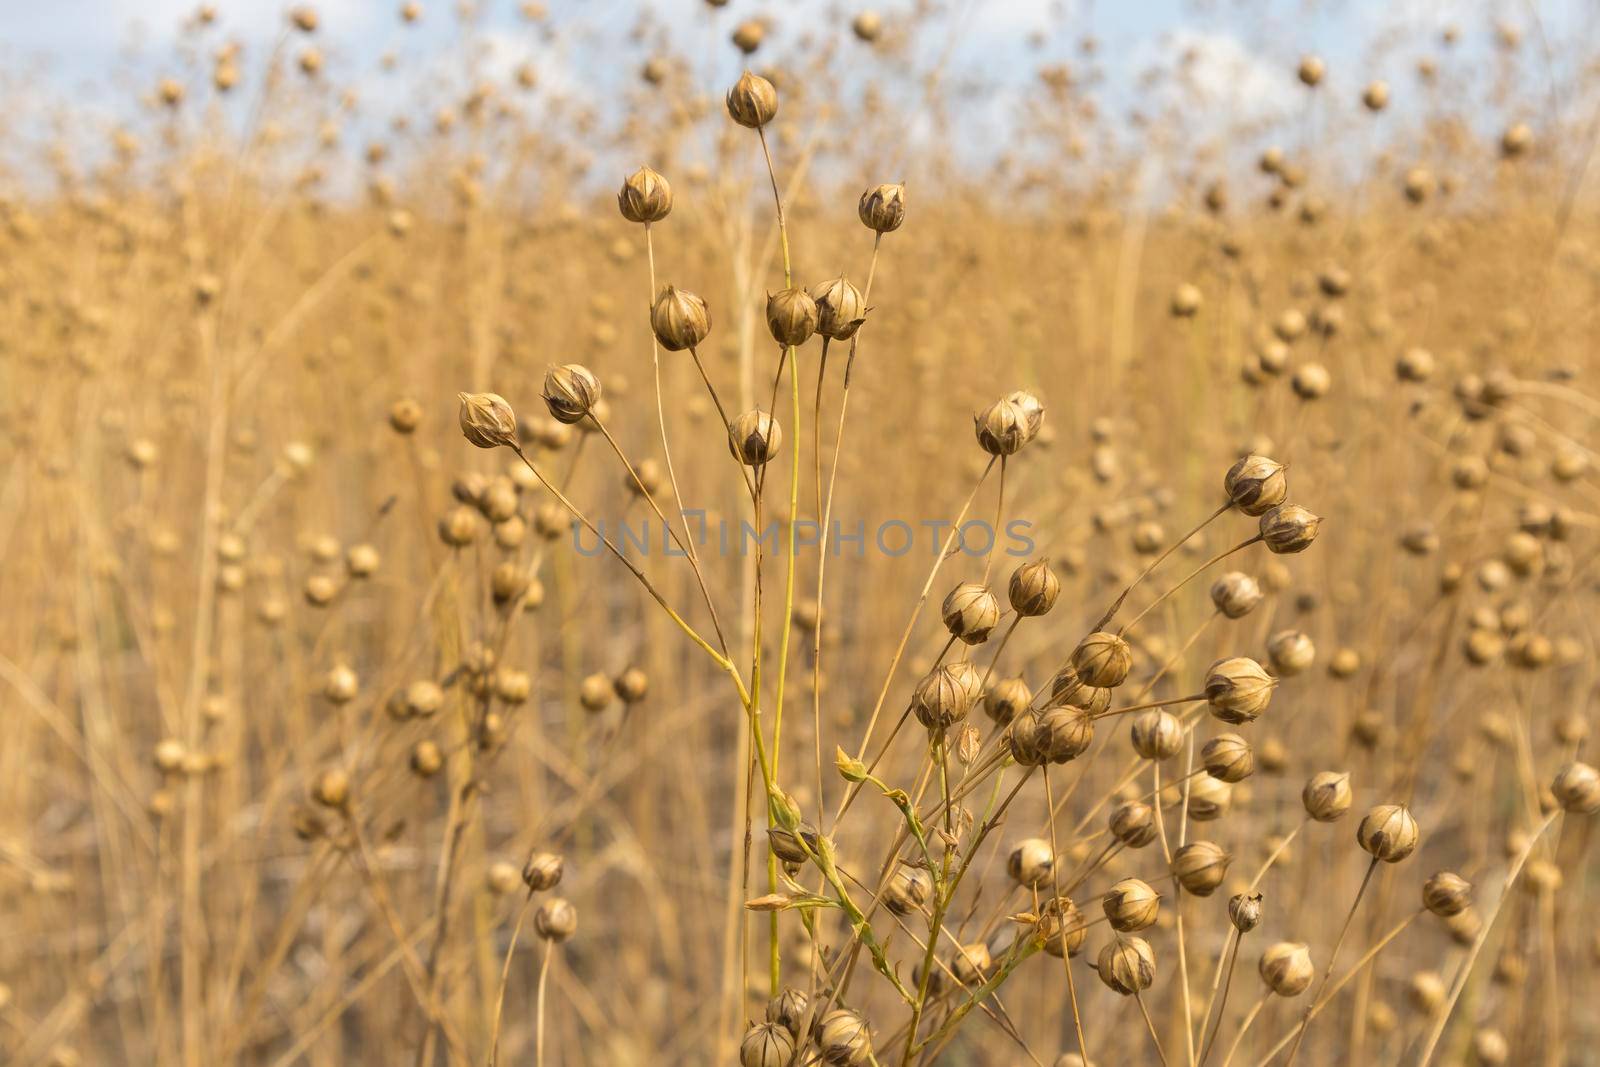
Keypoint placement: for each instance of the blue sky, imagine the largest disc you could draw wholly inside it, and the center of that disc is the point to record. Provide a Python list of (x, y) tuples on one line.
[(99, 54)]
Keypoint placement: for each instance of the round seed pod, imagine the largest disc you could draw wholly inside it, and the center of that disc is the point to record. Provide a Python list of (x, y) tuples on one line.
[(1131, 905), (1209, 799), (946, 694), (1034, 588), (753, 101), (971, 963), (512, 686), (1200, 867), (1064, 734), (867, 26), (1289, 528), (508, 581), (1003, 428), (594, 692), (1006, 699), (1344, 662), (791, 316), (1291, 652), (748, 35), (680, 319), (1311, 71), (844, 1038), (1327, 796), (1238, 689), (1031, 864), (1127, 965), (1235, 594), (1446, 894), (556, 920), (459, 527), (1244, 911), (1256, 484), (426, 759), (1156, 734), (1102, 660), (1062, 927), (755, 438), (1186, 301), (341, 685), (1375, 97), (423, 697), (570, 392), (1134, 824), (788, 1009), (1067, 688), (632, 685), (487, 420), (1515, 141), (1228, 757), (908, 890), (645, 197), (1577, 788), (970, 612), (1489, 1046), (766, 1045), (543, 871), (1414, 365), (331, 788), (362, 561), (405, 415), (1286, 968), (1426, 991), (1311, 381), (501, 878), (1023, 740), (883, 207), (1388, 833), (840, 308)]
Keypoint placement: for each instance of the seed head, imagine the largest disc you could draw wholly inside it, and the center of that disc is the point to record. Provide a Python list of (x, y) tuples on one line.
[(570, 392), (1289, 528), (755, 438), (405, 415), (1031, 864), (1200, 867), (1227, 757), (1256, 484), (1062, 927), (556, 920), (331, 788), (680, 319), (1446, 894), (1131, 905), (840, 308), (908, 889), (1034, 589), (1286, 968), (645, 197), (1311, 71), (1327, 796), (426, 759), (1244, 911), (752, 102), (1004, 427), (1102, 660), (867, 26), (791, 316), (1209, 799), (1064, 734), (883, 207), (1577, 788), (543, 871), (1375, 97), (788, 1009), (1186, 301), (1291, 652), (1005, 699), (487, 420), (1238, 689), (970, 612), (1156, 734), (1388, 833), (1127, 965), (766, 1045), (945, 695), (1235, 594), (844, 1038), (1134, 824)]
